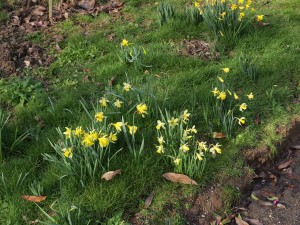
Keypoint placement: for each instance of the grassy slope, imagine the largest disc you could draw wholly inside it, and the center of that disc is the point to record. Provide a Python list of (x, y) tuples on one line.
[(187, 81)]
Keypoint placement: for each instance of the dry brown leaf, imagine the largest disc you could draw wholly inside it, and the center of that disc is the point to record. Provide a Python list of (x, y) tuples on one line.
[(111, 174), (219, 135), (111, 37), (34, 198), (240, 221), (285, 164), (27, 63), (255, 222), (149, 199), (179, 178)]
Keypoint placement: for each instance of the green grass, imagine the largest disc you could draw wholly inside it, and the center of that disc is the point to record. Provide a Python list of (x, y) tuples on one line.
[(83, 70)]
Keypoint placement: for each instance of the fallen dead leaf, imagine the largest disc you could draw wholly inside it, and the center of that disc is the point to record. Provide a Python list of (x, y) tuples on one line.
[(273, 177), (297, 147), (285, 164), (219, 135), (179, 178), (34, 198), (281, 206), (254, 222), (239, 221), (111, 174), (111, 37), (148, 200), (27, 63)]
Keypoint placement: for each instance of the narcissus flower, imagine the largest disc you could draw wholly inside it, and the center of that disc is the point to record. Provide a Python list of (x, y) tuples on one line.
[(250, 96), (202, 146), (196, 4), (236, 97), (124, 43), (233, 7), (200, 156), (215, 149), (99, 116), (132, 129), (241, 121), (160, 125), (127, 86), (118, 103), (259, 18), (241, 16), (226, 70), (222, 95), (112, 137), (161, 140), (160, 149), (118, 126), (177, 161), (87, 140), (141, 109), (243, 107), (192, 130), (185, 116), (221, 79), (173, 122), (103, 141), (103, 101), (184, 147), (78, 131), (68, 132), (215, 91), (67, 152)]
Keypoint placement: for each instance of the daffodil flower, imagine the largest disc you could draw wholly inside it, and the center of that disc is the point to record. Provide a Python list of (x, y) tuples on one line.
[(68, 152), (132, 129), (202, 146), (177, 161), (118, 103), (222, 95), (78, 131), (233, 7), (221, 79), (250, 96), (127, 87), (160, 149), (185, 116), (103, 101), (161, 140), (68, 133), (226, 70), (160, 125), (241, 121), (236, 97), (184, 148), (215, 149), (99, 116), (243, 107), (193, 130), (112, 137), (124, 43), (118, 126), (215, 91), (259, 18), (200, 156), (103, 141), (141, 109), (173, 122)]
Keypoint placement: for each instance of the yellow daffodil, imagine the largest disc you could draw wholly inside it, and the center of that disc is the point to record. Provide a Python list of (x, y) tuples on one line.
[(221, 79), (103, 141), (68, 152), (185, 116), (215, 91), (202, 146), (223, 1), (247, 6), (241, 121), (118, 126), (241, 1), (222, 95), (186, 135), (132, 129), (241, 16), (160, 125), (127, 86), (184, 148), (193, 130), (223, 14), (141, 109), (118, 103), (99, 116), (87, 140), (226, 70), (173, 122), (68, 132), (200, 156), (144, 51), (112, 137), (250, 96), (160, 149), (78, 131), (177, 161), (196, 4), (215, 149), (233, 7), (161, 140), (103, 101), (124, 43), (236, 97), (243, 107), (229, 92), (94, 135), (259, 18), (241, 8)]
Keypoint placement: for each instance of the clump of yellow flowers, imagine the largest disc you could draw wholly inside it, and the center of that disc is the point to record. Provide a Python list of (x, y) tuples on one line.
[(227, 17), (178, 143)]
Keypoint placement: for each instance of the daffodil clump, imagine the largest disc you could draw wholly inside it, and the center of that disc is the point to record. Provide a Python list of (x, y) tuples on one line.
[(229, 106), (132, 53), (86, 152), (227, 17), (178, 143)]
